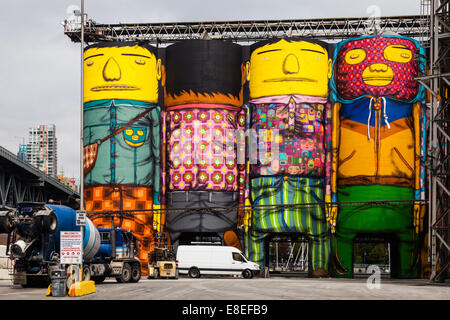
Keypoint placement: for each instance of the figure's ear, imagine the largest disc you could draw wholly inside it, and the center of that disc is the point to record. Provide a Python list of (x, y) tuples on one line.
[(247, 68), (330, 68), (163, 76), (158, 69), (243, 74)]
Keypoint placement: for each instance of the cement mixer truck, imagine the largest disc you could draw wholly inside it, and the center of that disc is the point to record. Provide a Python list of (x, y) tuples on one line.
[(34, 245)]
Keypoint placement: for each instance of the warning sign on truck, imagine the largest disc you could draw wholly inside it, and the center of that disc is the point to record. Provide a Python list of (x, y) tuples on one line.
[(71, 250)]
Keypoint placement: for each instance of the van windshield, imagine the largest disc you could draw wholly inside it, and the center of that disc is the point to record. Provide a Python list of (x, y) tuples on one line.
[(238, 257)]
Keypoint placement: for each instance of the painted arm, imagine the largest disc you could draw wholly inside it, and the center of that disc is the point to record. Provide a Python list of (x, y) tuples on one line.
[(331, 197), (157, 152), (420, 122), (247, 202)]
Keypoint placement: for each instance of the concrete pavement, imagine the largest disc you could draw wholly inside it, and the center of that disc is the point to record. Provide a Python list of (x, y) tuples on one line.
[(275, 288)]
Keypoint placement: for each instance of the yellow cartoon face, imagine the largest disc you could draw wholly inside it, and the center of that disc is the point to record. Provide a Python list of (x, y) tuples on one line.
[(296, 67), (125, 72)]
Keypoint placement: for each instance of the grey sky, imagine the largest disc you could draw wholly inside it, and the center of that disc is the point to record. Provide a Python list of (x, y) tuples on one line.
[(40, 67)]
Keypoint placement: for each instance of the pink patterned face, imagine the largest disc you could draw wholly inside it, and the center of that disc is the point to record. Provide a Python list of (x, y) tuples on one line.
[(377, 66)]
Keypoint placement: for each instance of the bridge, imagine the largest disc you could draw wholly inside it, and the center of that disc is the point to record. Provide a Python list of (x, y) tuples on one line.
[(19, 182)]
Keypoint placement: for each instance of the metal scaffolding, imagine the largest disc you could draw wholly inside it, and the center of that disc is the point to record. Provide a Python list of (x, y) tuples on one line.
[(437, 82), (414, 26)]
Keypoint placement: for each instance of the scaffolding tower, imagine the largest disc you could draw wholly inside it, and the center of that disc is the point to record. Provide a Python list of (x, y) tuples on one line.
[(437, 82)]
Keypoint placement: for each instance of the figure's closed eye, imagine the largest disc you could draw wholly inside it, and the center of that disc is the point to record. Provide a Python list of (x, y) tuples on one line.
[(397, 53), (140, 60), (355, 56), (91, 62)]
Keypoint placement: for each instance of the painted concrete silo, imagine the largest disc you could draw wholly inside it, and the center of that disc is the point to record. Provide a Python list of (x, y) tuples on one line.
[(378, 144), (122, 163), (203, 116), (289, 116)]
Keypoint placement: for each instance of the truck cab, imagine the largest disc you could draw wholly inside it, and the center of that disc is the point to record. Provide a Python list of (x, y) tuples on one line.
[(116, 258)]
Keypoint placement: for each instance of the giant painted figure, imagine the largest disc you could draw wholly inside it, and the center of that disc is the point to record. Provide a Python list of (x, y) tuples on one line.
[(290, 115), (378, 128), (203, 99), (122, 135)]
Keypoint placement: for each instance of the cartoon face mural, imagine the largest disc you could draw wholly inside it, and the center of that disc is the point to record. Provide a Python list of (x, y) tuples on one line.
[(135, 136), (204, 71), (288, 67), (121, 71), (377, 66)]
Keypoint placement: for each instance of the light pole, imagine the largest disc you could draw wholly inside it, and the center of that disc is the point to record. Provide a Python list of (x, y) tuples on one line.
[(81, 14), (82, 134)]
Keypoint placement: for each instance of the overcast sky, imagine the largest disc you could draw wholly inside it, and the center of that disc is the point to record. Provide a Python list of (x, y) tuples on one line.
[(40, 66)]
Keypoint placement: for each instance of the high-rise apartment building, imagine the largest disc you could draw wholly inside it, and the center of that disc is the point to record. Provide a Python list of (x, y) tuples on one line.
[(41, 148)]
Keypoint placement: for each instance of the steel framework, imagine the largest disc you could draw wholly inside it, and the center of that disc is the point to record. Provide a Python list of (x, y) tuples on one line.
[(246, 31), (20, 182), (438, 84)]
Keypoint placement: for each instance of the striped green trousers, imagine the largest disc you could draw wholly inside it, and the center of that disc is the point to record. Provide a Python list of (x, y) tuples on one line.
[(302, 213)]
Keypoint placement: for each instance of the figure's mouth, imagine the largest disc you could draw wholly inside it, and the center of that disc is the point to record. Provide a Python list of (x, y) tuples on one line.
[(378, 75), (377, 81), (290, 79), (114, 87), (376, 78), (138, 144)]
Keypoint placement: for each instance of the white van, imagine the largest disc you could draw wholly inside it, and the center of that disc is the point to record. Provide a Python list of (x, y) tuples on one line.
[(217, 260)]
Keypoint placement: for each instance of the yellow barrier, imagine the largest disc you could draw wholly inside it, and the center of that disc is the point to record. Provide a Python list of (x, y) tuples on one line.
[(82, 288)]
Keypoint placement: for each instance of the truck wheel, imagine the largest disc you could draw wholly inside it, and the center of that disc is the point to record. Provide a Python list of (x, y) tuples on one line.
[(86, 273), (47, 223), (194, 273), (135, 272), (126, 274), (247, 274)]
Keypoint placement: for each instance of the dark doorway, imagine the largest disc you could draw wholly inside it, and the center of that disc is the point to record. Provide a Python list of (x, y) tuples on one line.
[(287, 254), (372, 251)]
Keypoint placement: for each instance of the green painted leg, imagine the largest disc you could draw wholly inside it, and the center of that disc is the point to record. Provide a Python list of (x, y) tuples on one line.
[(393, 220), (319, 252), (342, 255), (254, 248)]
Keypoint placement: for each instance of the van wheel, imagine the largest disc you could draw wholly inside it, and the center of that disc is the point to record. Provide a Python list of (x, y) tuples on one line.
[(194, 273), (247, 274)]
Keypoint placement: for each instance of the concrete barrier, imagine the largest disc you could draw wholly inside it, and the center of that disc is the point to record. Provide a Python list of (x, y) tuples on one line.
[(5, 264)]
